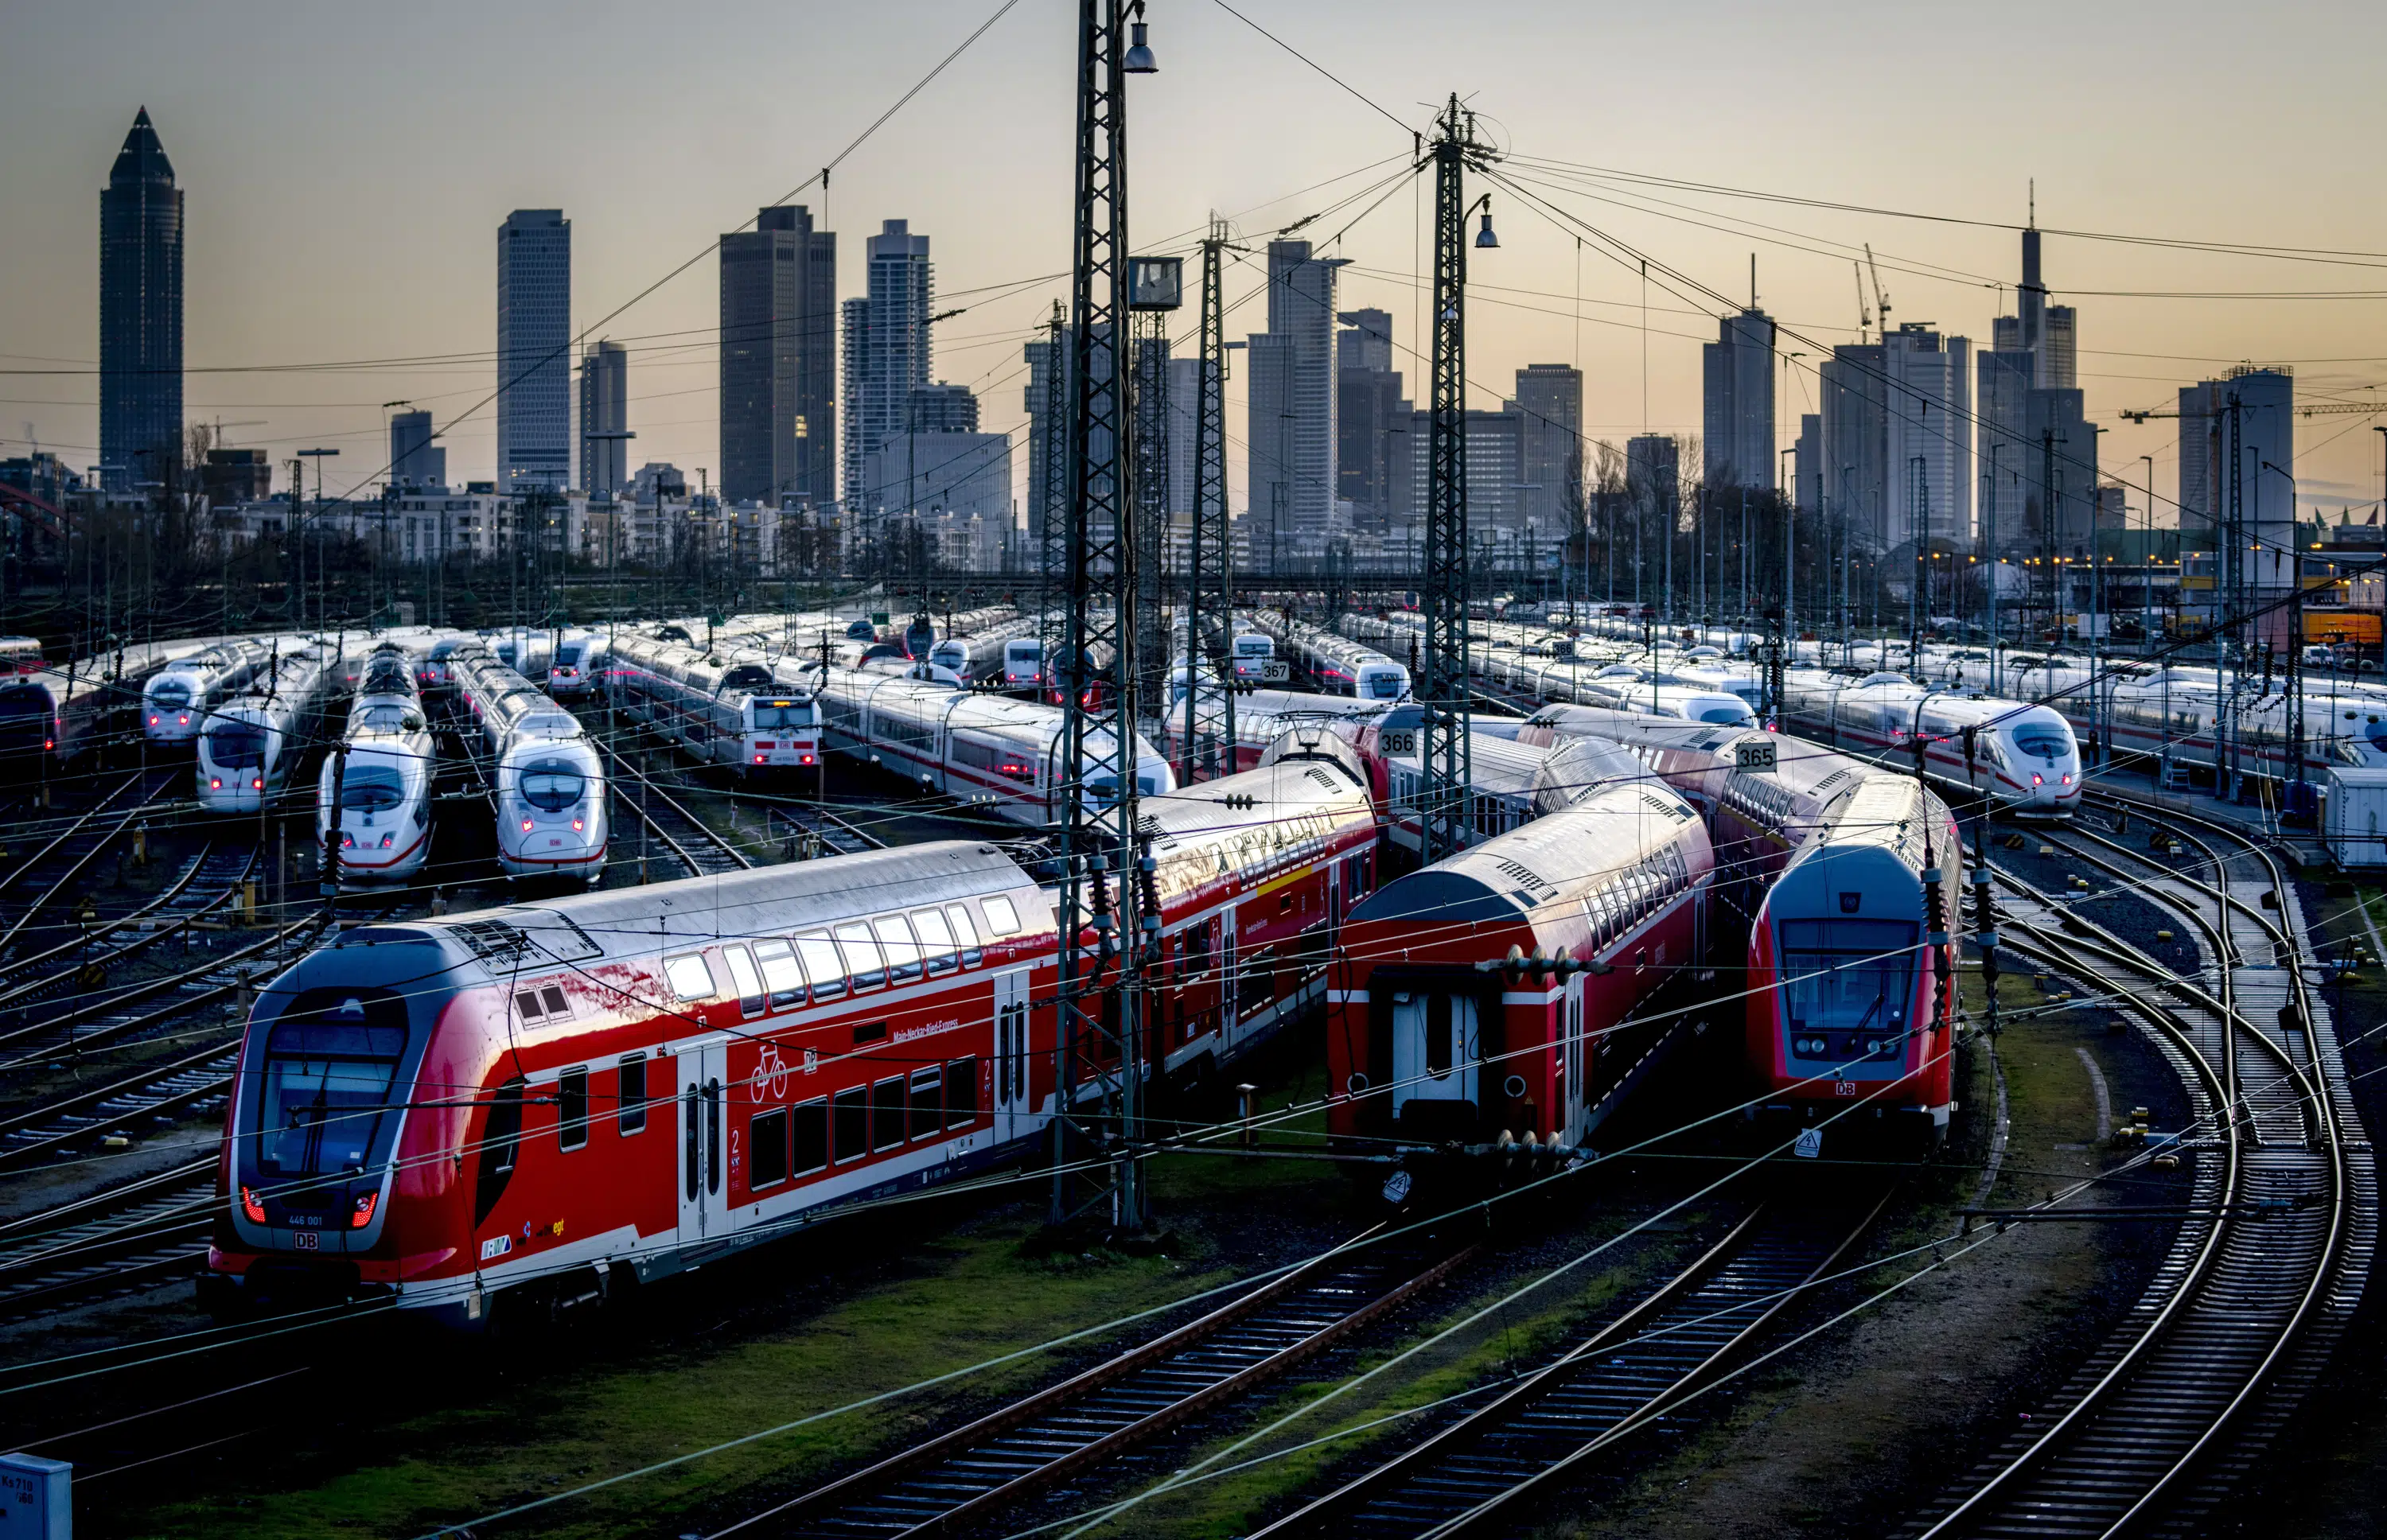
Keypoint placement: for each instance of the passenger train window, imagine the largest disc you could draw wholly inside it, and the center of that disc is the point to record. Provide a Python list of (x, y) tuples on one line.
[(499, 1141), (927, 1103), (965, 932), (960, 1093), (852, 1123), (1002, 919), (887, 1113), (691, 979), (751, 995), (780, 974), (632, 1097), (811, 1136), (936, 938), (862, 959), (822, 964), (571, 1108), (903, 951), (767, 1148)]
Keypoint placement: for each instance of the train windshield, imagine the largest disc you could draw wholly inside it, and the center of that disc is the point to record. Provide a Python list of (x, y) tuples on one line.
[(329, 1067), (551, 785), (1847, 975), (388, 716), (370, 788), (1254, 647), (1384, 686), (236, 745), (771, 714), (568, 655), (2044, 742), (173, 694), (1022, 652)]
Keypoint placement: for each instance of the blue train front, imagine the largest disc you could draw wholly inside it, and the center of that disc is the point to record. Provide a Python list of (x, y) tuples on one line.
[(1851, 998)]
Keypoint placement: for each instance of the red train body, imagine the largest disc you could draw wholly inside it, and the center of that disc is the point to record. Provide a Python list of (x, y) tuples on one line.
[(555, 1097), (1426, 1046)]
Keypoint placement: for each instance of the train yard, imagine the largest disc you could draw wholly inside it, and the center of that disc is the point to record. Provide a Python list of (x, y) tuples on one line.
[(1455, 1235)]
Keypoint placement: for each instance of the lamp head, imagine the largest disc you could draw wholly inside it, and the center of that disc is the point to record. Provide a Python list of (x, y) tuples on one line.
[(1485, 239), (1138, 59)]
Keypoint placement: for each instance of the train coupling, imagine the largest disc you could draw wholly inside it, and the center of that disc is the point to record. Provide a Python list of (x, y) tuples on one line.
[(1502, 1164)]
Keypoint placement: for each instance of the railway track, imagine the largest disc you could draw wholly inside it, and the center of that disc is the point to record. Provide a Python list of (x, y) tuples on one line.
[(664, 825), (1481, 1472), (205, 883), (151, 1007), (51, 872), (2163, 1420), (952, 1482), (119, 1241), (193, 1084), (805, 833)]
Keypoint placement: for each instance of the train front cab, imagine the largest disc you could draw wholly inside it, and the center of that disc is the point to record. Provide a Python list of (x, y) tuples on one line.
[(1849, 1023)]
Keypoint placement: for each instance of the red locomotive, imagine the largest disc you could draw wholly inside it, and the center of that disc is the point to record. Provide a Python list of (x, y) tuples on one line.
[(1430, 1039), (559, 1097)]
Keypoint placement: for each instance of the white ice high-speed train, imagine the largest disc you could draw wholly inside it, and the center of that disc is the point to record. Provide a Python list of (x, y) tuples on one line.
[(253, 741), (548, 780), (2023, 756), (175, 704), (1338, 665), (744, 711), (378, 783), (1003, 754)]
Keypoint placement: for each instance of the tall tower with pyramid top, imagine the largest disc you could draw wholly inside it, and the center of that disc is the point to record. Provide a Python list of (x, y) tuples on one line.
[(140, 314)]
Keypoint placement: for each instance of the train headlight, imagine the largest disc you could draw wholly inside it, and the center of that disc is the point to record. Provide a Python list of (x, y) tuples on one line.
[(525, 826), (758, 759), (347, 841), (387, 838), (251, 1204), (153, 721), (215, 783), (361, 1214), (257, 783), (182, 721), (2067, 777), (2038, 779), (576, 825)]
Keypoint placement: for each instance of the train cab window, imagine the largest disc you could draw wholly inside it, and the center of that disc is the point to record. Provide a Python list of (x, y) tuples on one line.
[(752, 997), (903, 950), (571, 1108), (822, 964), (887, 1113), (690, 978), (1002, 919), (927, 1101), (632, 1097), (780, 974), (808, 1123), (861, 958), (936, 938), (767, 1148), (852, 1122), (960, 1093), (964, 933)]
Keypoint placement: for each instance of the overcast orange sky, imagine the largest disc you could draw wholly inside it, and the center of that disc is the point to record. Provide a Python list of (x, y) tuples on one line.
[(346, 168)]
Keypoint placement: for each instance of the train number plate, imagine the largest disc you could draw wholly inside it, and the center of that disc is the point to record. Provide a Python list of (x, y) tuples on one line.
[(1753, 754), (1399, 741)]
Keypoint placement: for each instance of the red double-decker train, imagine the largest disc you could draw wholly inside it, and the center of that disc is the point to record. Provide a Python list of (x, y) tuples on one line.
[(553, 1099)]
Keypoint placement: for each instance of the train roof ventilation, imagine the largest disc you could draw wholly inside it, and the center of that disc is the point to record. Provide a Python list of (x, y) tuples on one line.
[(493, 941), (1518, 872), (1832, 779)]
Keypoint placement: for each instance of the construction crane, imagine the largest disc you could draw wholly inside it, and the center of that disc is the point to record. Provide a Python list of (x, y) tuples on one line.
[(2321, 409), (1880, 295), (1864, 317)]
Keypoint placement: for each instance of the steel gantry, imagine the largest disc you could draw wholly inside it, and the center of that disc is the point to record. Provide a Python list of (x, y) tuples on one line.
[(1103, 924), (1444, 764), (1210, 575)]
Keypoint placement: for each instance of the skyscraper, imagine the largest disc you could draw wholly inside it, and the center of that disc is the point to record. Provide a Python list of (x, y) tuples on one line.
[(778, 360), (1738, 375), (604, 409), (1929, 421), (140, 312), (1044, 434), (1807, 464), (533, 351), (414, 460), (1372, 419), (1549, 445), (1855, 402), (1292, 402), (942, 407), (886, 345)]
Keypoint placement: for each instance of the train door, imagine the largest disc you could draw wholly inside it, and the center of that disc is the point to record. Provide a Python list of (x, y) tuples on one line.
[(1575, 1062), (1014, 1103), (1230, 1001), (1435, 1047), (703, 1154)]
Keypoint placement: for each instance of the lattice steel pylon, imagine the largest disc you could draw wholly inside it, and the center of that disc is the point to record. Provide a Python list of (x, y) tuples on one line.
[(1052, 493), (1211, 575), (1103, 929), (1445, 767)]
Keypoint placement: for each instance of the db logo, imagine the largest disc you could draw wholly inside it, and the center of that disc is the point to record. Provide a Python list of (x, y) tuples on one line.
[(772, 1070), (1844, 1088)]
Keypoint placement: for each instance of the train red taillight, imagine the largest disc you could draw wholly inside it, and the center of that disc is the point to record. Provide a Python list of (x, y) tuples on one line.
[(525, 826), (252, 1206), (361, 1212), (256, 784), (576, 825), (215, 783)]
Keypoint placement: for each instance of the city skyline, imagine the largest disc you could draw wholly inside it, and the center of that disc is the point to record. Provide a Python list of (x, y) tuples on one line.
[(264, 287)]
